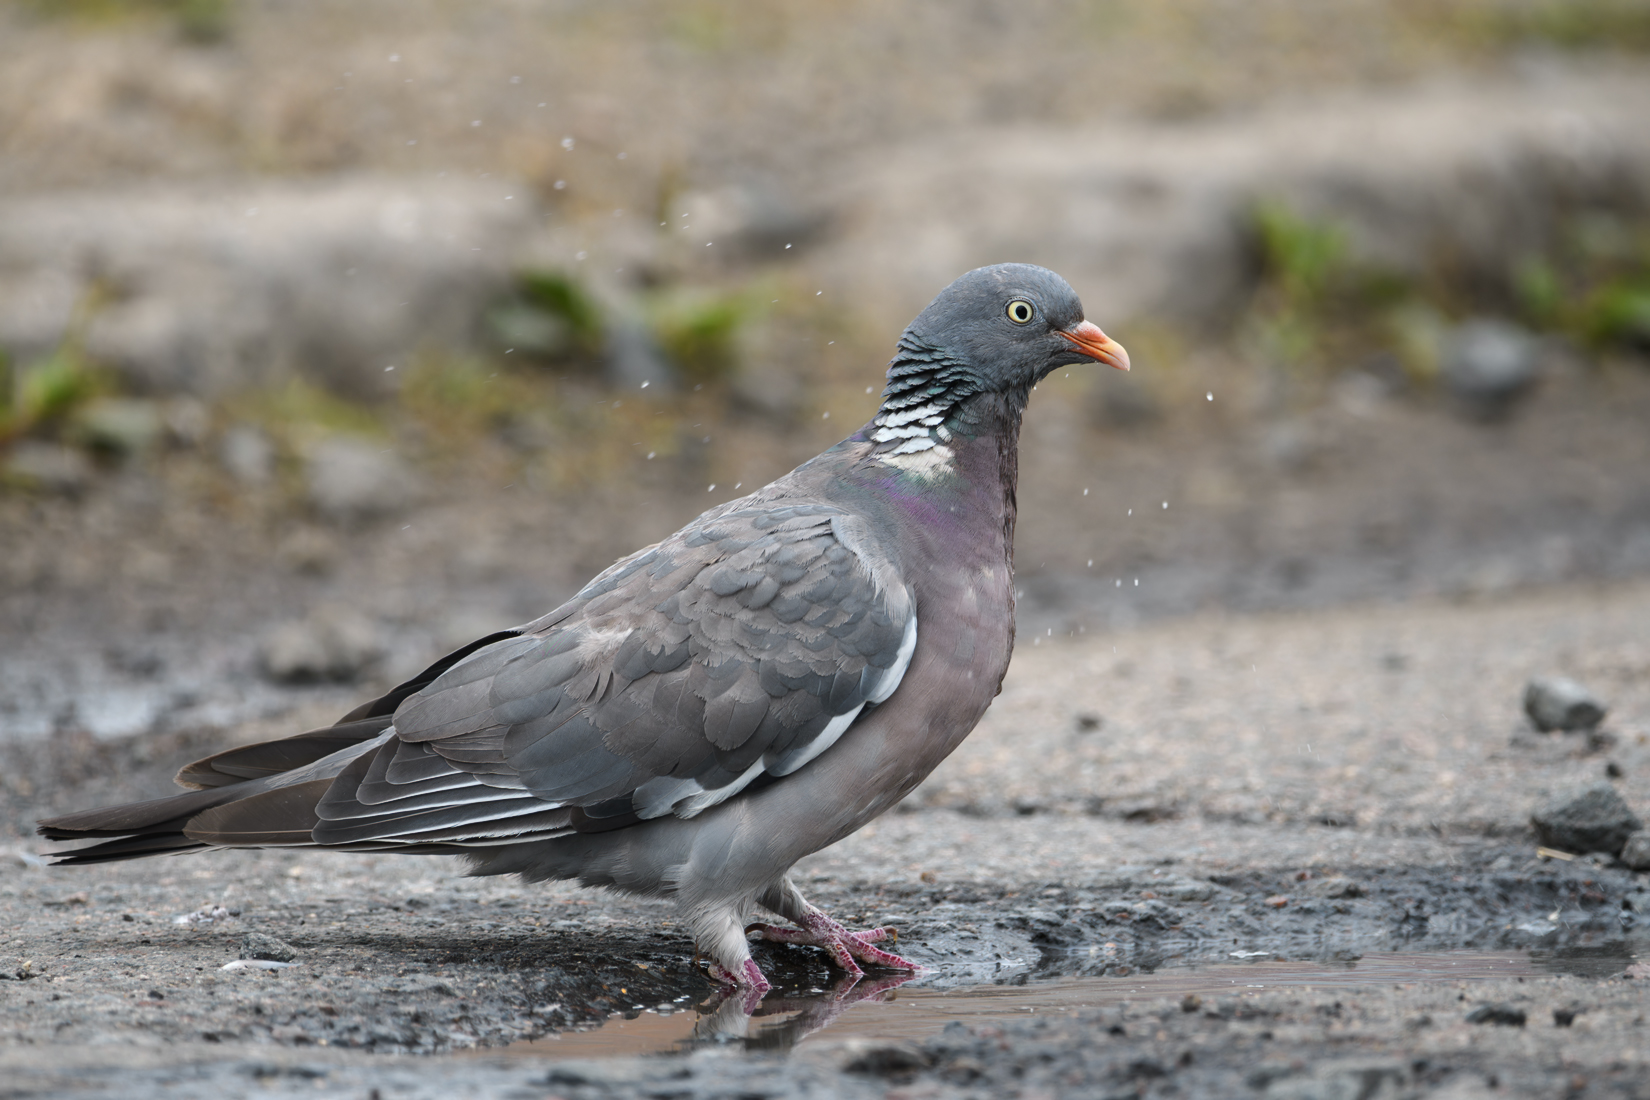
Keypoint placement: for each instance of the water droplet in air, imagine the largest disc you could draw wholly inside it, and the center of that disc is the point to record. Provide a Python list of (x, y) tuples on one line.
[(1131, 511), (1091, 563), (580, 255), (710, 488), (1210, 395), (1137, 582), (561, 185), (395, 57), (515, 80), (650, 454), (567, 143), (826, 415), (621, 156), (645, 385), (1085, 492), (787, 246), (475, 122), (1165, 504)]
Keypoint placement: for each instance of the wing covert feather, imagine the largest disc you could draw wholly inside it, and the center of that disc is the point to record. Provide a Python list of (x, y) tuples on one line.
[(745, 644)]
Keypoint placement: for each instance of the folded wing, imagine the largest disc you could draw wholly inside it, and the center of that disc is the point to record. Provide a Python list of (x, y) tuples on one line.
[(734, 652)]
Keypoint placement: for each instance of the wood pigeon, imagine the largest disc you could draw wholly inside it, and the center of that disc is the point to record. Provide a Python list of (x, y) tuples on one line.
[(718, 705)]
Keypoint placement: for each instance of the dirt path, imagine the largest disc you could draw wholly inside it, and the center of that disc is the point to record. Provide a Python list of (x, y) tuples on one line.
[(1315, 786)]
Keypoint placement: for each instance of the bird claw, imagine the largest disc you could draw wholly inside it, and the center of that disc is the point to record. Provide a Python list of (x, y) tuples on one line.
[(749, 981), (842, 945)]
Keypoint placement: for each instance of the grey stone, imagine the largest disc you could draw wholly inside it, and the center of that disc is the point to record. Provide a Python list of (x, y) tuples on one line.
[(1559, 703), (248, 455), (1635, 853), (256, 945), (226, 287), (527, 330), (1336, 887), (121, 426), (1381, 1081), (49, 467), (353, 479), (633, 359), (332, 644), (1489, 364), (1593, 820)]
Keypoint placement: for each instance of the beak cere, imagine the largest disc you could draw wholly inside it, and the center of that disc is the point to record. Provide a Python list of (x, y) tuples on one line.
[(1089, 340)]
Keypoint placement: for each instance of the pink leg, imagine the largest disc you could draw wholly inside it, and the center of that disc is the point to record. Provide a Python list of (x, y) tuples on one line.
[(843, 946)]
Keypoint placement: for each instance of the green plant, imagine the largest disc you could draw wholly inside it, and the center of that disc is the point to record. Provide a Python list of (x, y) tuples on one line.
[(42, 394), (699, 333), (202, 21), (1315, 304), (1593, 283), (1301, 257), (561, 298)]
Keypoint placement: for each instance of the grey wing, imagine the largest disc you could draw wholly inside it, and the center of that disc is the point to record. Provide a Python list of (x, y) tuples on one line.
[(740, 648)]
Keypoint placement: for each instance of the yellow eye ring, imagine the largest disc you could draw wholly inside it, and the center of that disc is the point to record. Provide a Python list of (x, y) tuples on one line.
[(1021, 311)]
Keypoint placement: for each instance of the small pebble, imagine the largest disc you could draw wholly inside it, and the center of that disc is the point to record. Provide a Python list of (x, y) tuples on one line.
[(1636, 852), (258, 946), (1559, 703), (1503, 1014), (1596, 819)]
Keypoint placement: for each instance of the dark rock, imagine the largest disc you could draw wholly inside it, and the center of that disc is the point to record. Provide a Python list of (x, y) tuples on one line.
[(1488, 365), (1594, 820), (877, 1059), (1502, 1014), (1088, 722), (256, 945), (1559, 703)]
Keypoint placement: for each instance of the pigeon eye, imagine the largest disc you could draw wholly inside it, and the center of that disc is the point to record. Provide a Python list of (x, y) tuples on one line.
[(1020, 311)]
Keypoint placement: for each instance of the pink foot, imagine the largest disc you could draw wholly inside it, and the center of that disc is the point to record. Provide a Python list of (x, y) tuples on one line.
[(750, 981), (839, 943)]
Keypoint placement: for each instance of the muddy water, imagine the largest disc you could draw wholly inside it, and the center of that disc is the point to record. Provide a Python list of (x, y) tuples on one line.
[(914, 1013)]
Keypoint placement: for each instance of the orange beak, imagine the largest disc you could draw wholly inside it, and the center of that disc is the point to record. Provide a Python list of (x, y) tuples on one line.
[(1089, 340)]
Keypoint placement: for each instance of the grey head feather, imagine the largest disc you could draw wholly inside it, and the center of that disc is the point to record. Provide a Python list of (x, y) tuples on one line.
[(965, 343)]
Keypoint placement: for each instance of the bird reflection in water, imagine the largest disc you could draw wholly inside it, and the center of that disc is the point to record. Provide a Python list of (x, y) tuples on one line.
[(781, 1020)]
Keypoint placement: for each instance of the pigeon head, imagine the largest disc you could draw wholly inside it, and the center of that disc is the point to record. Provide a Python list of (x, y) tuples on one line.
[(996, 331), (1005, 327)]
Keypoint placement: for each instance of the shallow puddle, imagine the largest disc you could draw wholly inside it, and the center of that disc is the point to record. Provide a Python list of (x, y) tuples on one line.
[(913, 1012)]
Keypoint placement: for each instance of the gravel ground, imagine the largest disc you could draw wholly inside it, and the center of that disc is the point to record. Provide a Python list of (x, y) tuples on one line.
[(1316, 786)]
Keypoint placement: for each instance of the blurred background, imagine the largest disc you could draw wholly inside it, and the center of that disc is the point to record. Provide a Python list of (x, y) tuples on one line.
[(335, 334)]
